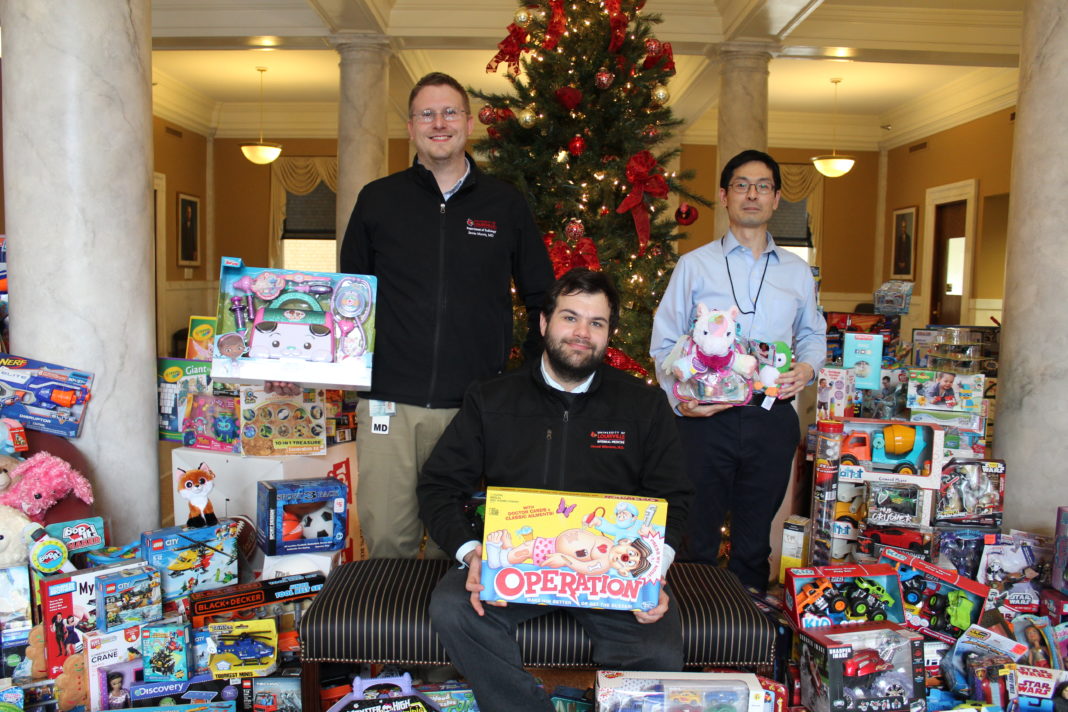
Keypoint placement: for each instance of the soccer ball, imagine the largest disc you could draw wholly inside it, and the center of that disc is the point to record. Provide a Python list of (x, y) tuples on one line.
[(320, 523)]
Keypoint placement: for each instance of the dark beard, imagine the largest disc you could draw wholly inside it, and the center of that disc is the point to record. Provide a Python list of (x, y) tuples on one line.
[(571, 371)]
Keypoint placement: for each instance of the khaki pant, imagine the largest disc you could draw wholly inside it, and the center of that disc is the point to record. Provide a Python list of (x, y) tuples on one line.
[(389, 467)]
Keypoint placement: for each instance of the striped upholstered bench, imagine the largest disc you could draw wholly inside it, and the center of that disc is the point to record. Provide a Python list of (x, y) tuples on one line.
[(376, 612)]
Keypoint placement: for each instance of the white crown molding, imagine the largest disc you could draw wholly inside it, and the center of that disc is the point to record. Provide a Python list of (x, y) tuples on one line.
[(289, 120), (181, 104), (790, 129), (236, 18)]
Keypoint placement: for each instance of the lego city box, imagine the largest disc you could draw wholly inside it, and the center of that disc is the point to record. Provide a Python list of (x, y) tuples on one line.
[(315, 328), (128, 598), (849, 594), (44, 396), (891, 451), (720, 691), (876, 667), (192, 558), (298, 516), (573, 549)]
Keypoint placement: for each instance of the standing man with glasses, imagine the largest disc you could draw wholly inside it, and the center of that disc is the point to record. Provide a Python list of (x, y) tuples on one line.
[(445, 241), (739, 457)]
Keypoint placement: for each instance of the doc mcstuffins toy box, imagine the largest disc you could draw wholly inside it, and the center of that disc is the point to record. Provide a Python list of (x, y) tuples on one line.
[(277, 425), (721, 691), (315, 328), (297, 516), (573, 549), (192, 558), (44, 396), (849, 594), (128, 598)]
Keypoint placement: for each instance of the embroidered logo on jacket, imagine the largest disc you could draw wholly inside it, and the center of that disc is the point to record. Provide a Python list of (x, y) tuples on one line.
[(481, 228), (608, 439)]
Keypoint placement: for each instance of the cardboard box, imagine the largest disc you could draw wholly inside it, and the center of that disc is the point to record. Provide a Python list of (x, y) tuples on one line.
[(111, 653), (276, 425), (193, 558), (892, 451), (617, 690), (850, 594), (206, 605), (296, 516), (128, 598), (573, 549), (176, 380), (44, 396), (794, 544)]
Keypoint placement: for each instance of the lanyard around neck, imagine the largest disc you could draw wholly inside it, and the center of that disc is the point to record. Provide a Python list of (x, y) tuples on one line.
[(727, 264)]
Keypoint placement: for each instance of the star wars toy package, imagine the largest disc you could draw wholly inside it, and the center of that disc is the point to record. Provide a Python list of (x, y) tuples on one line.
[(192, 558), (573, 549), (972, 493), (297, 516), (1014, 566)]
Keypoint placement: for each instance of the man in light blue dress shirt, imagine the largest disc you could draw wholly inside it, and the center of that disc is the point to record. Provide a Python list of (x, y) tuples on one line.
[(739, 457)]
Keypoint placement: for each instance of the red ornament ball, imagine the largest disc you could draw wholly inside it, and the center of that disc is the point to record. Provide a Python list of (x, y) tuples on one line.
[(575, 230), (686, 214), (576, 146), (505, 114), (493, 133), (603, 79), (487, 115), (604, 210), (653, 46)]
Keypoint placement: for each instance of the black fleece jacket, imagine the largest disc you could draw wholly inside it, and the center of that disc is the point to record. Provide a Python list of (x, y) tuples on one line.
[(517, 431), (444, 308)]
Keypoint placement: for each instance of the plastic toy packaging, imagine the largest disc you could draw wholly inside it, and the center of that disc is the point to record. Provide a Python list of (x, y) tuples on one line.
[(242, 648), (898, 505), (295, 516), (960, 550), (825, 490), (315, 328), (849, 594), (1014, 566), (972, 493), (44, 396), (710, 364), (878, 666), (668, 692)]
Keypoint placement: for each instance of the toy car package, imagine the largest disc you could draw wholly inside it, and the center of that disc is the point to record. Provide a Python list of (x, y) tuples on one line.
[(850, 594), (891, 451), (165, 650), (573, 549), (724, 691)]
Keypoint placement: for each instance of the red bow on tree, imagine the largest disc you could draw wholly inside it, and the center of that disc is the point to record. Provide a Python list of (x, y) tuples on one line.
[(617, 359), (665, 54), (569, 97), (508, 50), (564, 257), (645, 177), (554, 30), (618, 22)]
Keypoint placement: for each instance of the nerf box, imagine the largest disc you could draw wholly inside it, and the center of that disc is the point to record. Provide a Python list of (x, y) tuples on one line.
[(128, 598), (849, 594), (573, 549), (176, 380), (726, 691), (109, 656), (274, 425), (891, 451), (877, 666), (262, 598), (315, 328), (939, 603), (295, 516), (192, 558), (165, 650), (44, 396)]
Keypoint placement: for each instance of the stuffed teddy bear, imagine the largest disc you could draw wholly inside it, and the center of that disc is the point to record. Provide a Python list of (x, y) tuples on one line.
[(42, 481), (7, 464), (12, 545), (709, 364)]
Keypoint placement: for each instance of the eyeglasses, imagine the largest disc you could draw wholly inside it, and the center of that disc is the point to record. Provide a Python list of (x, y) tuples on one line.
[(742, 186), (426, 116)]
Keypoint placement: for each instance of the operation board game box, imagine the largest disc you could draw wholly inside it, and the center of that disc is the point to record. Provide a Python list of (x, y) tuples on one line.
[(573, 549)]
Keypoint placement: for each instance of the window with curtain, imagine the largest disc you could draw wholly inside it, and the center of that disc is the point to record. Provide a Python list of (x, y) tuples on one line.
[(798, 222), (303, 196)]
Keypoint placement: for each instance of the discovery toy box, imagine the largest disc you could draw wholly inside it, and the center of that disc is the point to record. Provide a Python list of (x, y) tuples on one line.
[(200, 693), (877, 666), (837, 595), (315, 328), (573, 549), (128, 598), (294, 516), (192, 558), (44, 396), (724, 691)]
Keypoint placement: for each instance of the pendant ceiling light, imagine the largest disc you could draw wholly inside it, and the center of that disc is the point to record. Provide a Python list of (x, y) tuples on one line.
[(260, 152), (834, 165)]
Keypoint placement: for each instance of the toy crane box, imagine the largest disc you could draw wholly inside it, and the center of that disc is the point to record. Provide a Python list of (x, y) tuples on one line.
[(573, 549), (110, 655), (44, 396), (315, 328), (128, 598), (192, 558), (300, 516)]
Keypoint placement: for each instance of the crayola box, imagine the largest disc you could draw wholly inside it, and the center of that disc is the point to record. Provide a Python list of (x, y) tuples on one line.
[(573, 549)]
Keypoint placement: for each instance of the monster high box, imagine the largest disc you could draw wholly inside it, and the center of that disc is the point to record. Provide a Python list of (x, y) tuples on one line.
[(193, 558), (315, 328), (573, 549)]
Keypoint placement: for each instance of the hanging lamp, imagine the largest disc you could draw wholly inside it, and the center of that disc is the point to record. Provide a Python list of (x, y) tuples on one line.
[(834, 165), (260, 152)]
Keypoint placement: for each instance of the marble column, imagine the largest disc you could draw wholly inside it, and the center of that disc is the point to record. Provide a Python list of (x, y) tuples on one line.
[(77, 131), (743, 106), (363, 104), (1032, 402)]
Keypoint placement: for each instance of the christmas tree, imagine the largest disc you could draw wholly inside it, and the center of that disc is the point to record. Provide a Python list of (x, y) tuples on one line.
[(578, 135)]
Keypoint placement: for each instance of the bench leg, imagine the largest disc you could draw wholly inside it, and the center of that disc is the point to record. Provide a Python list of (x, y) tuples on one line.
[(310, 687)]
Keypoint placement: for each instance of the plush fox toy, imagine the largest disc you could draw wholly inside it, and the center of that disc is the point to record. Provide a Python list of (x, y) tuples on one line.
[(195, 487)]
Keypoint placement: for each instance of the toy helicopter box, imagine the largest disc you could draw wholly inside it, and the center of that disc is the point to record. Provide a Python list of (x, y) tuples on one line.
[(299, 516), (68, 609), (44, 396), (128, 598), (242, 648), (276, 425), (726, 691), (878, 666), (315, 328), (192, 558), (573, 549), (165, 650), (891, 451)]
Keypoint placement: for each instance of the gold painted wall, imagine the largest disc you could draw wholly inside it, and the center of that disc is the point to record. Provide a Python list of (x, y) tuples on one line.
[(181, 155)]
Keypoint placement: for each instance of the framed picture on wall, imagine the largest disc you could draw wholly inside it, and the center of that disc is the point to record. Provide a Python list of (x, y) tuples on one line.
[(189, 252), (903, 256)]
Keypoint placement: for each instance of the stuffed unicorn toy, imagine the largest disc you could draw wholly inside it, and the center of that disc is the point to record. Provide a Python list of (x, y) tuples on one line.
[(709, 364)]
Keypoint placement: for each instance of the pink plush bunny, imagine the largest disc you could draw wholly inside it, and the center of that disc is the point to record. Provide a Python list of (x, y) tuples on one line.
[(42, 481)]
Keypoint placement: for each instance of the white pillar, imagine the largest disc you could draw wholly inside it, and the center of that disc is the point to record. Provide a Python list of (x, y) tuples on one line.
[(743, 106), (78, 183), (1032, 402), (363, 104)]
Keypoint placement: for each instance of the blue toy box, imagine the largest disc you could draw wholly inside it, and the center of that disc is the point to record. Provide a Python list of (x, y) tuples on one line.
[(192, 559), (165, 651), (301, 516), (44, 396), (128, 598)]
